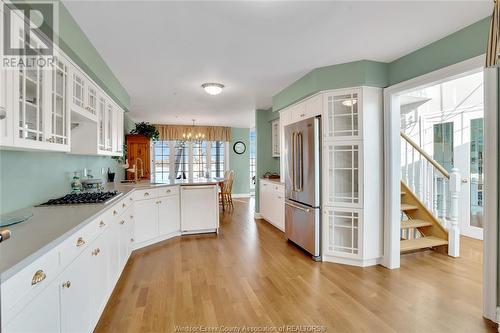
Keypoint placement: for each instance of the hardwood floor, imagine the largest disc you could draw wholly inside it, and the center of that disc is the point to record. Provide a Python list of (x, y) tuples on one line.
[(249, 275)]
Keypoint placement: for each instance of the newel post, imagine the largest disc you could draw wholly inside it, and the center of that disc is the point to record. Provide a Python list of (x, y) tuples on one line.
[(453, 227)]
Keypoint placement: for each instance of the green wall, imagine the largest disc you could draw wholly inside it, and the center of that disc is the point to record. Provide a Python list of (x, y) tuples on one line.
[(464, 44), (265, 162), (240, 163), (357, 73), (30, 178)]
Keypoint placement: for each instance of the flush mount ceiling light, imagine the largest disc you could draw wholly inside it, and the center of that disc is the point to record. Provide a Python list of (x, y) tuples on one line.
[(212, 88)]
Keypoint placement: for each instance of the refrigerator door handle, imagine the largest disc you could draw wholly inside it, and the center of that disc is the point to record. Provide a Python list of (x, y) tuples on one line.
[(307, 210), (293, 161), (300, 162)]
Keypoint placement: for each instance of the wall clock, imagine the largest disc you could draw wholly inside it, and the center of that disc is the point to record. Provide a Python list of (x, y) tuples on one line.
[(239, 147)]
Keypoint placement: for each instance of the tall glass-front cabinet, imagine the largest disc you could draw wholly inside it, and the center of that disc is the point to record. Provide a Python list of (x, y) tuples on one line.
[(352, 176), (40, 105)]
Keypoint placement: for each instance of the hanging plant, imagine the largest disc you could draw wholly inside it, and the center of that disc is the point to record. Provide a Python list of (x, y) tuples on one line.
[(146, 129)]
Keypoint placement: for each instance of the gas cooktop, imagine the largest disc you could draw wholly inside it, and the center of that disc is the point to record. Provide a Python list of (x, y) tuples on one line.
[(83, 198)]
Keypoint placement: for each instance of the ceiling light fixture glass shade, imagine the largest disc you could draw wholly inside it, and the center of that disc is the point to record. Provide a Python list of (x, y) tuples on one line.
[(212, 88)]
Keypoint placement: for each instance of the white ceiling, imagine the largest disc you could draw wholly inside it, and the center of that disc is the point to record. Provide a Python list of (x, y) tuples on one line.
[(162, 51)]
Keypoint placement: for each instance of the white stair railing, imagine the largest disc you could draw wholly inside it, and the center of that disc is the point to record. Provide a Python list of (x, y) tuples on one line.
[(437, 189)]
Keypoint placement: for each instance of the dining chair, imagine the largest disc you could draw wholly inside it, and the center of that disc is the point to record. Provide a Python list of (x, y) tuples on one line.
[(225, 195)]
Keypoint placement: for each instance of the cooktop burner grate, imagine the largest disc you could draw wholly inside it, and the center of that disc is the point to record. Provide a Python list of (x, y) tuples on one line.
[(82, 198)]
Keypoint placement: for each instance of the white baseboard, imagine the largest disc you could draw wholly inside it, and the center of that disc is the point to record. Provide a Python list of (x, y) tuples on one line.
[(241, 195), (257, 216), (352, 262)]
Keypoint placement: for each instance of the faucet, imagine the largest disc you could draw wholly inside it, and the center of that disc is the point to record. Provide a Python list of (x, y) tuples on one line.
[(135, 171)]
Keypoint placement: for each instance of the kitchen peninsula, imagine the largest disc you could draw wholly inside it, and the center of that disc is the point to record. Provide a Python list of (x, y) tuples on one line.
[(43, 263)]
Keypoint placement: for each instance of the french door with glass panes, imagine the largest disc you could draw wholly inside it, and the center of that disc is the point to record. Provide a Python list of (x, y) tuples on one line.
[(40, 101), (470, 162)]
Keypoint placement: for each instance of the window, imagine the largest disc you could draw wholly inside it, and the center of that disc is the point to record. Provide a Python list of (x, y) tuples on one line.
[(217, 159), (162, 153), (178, 160), (200, 166), (181, 162)]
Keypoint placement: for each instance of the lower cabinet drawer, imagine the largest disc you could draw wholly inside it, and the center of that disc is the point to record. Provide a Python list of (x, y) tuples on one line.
[(167, 191), (76, 243), (26, 284), (145, 194)]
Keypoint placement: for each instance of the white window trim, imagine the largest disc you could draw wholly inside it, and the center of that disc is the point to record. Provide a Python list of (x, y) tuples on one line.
[(392, 170)]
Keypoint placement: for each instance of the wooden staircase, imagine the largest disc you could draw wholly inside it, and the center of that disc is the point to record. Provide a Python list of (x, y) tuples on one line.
[(421, 229)]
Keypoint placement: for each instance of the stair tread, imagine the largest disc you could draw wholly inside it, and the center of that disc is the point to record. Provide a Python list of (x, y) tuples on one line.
[(408, 207), (421, 243), (415, 223)]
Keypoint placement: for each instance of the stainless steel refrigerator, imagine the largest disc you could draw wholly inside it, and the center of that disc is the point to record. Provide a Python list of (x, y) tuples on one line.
[(302, 185)]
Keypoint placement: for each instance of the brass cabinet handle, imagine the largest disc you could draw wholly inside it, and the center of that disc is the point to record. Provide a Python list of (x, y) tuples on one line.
[(96, 252), (168, 191), (131, 199), (115, 212), (66, 284), (102, 224), (131, 239), (80, 242), (122, 221), (146, 194), (131, 216), (123, 205), (38, 277)]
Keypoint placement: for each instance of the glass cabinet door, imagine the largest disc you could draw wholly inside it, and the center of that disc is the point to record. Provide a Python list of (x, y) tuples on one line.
[(342, 174), (343, 120), (91, 99), (342, 235), (101, 111), (59, 113), (78, 90), (31, 97), (109, 127)]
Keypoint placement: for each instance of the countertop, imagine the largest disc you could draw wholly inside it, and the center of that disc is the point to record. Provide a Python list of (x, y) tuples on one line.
[(275, 181), (51, 225)]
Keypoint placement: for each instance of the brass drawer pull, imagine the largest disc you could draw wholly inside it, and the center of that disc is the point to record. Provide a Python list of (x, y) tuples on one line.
[(123, 205), (80, 242), (115, 212), (66, 284), (96, 252), (38, 277), (146, 194), (131, 199), (168, 191), (102, 224), (131, 216), (122, 221), (131, 239)]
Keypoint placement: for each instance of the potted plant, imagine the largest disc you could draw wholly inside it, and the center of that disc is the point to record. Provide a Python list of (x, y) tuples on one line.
[(146, 129)]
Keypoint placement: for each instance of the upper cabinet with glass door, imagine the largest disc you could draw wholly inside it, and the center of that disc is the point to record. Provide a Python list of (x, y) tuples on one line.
[(6, 119), (40, 112), (342, 115)]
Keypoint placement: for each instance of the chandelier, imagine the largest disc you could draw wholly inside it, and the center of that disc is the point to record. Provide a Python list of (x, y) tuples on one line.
[(192, 135)]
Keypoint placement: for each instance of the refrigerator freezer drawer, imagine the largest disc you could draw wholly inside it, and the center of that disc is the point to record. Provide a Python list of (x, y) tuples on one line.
[(302, 226)]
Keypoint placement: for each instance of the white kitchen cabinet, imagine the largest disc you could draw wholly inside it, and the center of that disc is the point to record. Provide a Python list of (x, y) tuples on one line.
[(272, 203), (118, 135), (91, 100), (102, 269), (125, 236), (199, 208), (101, 122), (352, 200), (343, 114), (169, 215), (342, 174), (275, 137), (146, 212), (109, 126), (74, 284), (6, 115), (342, 234), (41, 314)]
